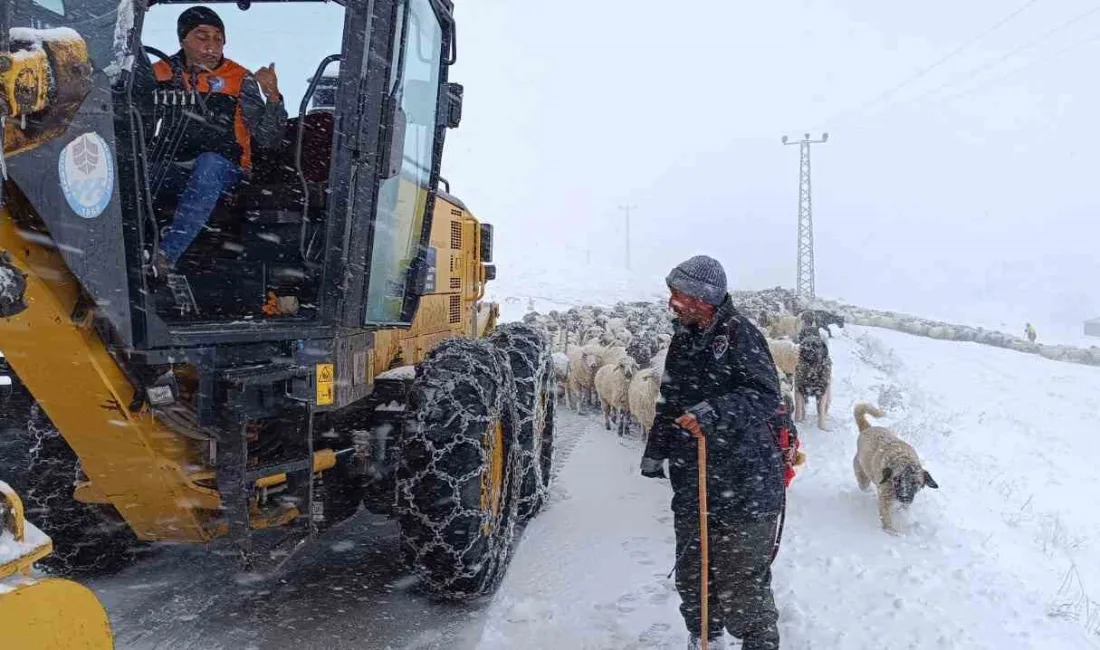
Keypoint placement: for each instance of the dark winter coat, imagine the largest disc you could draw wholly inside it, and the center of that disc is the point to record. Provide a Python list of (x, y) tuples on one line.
[(232, 112), (725, 376)]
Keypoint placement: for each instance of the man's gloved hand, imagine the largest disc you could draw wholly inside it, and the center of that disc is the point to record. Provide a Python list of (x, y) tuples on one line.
[(689, 423), (268, 82), (653, 468)]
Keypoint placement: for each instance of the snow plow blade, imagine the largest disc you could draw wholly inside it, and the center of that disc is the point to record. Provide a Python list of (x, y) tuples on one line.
[(52, 614), (41, 613)]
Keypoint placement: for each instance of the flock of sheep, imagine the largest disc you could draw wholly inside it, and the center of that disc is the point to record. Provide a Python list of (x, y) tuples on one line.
[(614, 357), (611, 357)]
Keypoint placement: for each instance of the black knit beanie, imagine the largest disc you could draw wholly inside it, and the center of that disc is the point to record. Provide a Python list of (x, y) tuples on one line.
[(702, 277), (196, 16)]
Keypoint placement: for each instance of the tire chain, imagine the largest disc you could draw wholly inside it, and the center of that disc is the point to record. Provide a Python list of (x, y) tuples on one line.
[(87, 540), (446, 429), (533, 372)]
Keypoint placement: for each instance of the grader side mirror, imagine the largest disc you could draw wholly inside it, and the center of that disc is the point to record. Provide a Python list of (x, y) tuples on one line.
[(452, 111), (486, 251), (399, 122)]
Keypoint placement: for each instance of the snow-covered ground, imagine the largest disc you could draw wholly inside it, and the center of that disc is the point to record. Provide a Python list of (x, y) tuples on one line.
[(1004, 555)]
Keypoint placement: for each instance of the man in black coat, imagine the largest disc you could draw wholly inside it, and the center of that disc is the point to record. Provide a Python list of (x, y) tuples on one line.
[(720, 383)]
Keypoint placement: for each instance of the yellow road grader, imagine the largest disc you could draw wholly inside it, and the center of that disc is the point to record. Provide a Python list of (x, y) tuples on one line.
[(324, 345)]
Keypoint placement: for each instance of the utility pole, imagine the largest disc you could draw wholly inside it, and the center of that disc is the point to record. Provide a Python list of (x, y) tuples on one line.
[(626, 213), (804, 284)]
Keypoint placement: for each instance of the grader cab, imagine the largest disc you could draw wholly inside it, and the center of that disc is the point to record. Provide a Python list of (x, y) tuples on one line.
[(322, 346)]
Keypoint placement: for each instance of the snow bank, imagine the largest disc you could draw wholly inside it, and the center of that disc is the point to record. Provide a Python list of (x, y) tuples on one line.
[(963, 333)]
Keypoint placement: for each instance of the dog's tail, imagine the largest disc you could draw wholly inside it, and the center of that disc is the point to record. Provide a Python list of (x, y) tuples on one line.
[(862, 410)]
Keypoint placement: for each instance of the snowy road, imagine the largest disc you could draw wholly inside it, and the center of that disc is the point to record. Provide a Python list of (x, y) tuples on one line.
[(1003, 556), (350, 591)]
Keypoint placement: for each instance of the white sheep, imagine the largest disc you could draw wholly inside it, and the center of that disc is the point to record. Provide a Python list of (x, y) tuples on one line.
[(561, 365), (642, 396), (593, 334), (785, 354), (784, 326), (658, 361), (615, 325), (583, 363), (786, 388), (612, 385), (609, 355)]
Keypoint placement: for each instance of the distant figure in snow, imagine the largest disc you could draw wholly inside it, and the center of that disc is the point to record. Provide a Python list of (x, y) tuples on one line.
[(1030, 332), (720, 383)]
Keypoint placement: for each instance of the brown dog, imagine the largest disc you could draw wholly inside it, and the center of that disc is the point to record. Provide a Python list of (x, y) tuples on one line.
[(893, 465)]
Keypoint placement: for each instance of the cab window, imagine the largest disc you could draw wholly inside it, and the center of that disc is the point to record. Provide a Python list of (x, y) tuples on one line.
[(237, 178), (56, 6), (402, 200)]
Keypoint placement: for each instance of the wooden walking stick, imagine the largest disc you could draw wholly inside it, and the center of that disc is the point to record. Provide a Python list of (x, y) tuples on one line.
[(704, 539), (690, 424)]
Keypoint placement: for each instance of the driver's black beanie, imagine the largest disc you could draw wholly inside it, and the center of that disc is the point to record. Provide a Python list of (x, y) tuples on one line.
[(196, 16)]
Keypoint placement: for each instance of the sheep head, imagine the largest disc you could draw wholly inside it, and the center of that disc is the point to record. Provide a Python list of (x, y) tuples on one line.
[(628, 367)]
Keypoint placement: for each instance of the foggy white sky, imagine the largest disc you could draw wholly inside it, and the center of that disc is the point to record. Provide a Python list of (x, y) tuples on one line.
[(575, 108), (942, 206)]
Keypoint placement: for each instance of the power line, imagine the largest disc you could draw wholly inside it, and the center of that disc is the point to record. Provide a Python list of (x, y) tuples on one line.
[(992, 64), (1018, 69), (889, 92)]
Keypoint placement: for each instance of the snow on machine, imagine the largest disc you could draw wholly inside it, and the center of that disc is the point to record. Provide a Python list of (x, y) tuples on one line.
[(322, 346)]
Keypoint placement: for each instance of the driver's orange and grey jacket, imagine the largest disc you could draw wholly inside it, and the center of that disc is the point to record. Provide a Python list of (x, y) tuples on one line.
[(230, 113)]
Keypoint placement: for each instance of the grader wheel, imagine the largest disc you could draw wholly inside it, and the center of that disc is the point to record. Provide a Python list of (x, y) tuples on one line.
[(458, 472), (535, 390)]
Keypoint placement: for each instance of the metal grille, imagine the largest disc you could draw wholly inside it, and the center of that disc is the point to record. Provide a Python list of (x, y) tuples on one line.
[(456, 308), (456, 235), (456, 283)]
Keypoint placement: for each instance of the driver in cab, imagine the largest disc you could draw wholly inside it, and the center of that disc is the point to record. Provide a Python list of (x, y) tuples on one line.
[(215, 150)]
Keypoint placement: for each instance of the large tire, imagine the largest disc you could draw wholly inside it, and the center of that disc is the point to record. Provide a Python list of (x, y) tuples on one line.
[(88, 539), (535, 390), (458, 478)]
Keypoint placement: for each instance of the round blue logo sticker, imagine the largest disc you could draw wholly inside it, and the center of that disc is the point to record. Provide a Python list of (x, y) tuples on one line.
[(86, 170)]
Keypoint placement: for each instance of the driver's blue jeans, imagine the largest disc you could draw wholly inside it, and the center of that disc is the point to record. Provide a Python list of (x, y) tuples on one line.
[(199, 188)]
